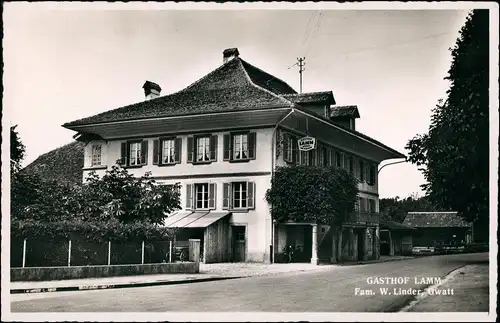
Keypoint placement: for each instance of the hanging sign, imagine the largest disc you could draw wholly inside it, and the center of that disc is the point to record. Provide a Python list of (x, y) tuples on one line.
[(306, 143)]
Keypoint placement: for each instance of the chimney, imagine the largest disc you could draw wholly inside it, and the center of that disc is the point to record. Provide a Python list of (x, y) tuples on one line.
[(151, 90), (229, 54)]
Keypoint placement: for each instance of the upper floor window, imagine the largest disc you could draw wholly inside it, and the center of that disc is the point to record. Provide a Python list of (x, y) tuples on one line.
[(372, 175), (361, 171), (202, 149), (338, 159), (304, 158), (351, 165), (96, 155), (239, 146), (167, 151), (372, 205), (134, 153), (200, 196), (238, 196)]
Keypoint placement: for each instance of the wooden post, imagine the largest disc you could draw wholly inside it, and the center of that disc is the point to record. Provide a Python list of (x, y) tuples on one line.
[(194, 250), (142, 256), (109, 253), (24, 253), (333, 256), (314, 258), (69, 253), (170, 252), (339, 245)]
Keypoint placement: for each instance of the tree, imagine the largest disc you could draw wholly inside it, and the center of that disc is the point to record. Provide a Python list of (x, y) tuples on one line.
[(318, 194), (395, 209), (17, 150), (454, 155)]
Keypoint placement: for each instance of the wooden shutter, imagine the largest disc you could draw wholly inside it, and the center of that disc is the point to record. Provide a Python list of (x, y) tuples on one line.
[(144, 152), (226, 196), (189, 196), (156, 152), (213, 147), (178, 150), (250, 195), (124, 154), (295, 150), (212, 196), (227, 147), (286, 148), (190, 149), (374, 170), (252, 145)]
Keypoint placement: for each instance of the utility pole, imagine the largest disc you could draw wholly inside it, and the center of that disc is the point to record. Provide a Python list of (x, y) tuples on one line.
[(301, 64)]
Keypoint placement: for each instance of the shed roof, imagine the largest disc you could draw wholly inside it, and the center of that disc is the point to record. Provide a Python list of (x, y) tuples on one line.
[(435, 220)]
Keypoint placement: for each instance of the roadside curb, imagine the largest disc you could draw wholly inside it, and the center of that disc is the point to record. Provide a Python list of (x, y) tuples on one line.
[(115, 286), (372, 262)]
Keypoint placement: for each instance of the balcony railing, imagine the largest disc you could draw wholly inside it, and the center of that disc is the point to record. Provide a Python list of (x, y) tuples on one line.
[(362, 217)]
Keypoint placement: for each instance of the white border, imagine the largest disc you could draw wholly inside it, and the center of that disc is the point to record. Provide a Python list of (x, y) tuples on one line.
[(264, 316)]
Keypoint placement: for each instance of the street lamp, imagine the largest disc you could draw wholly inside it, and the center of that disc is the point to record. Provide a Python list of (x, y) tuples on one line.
[(393, 163)]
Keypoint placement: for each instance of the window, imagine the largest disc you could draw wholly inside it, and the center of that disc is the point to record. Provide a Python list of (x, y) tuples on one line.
[(338, 159), (304, 158), (134, 153), (351, 165), (239, 146), (371, 206), (361, 171), (200, 196), (168, 151), (323, 155), (371, 175), (330, 157), (96, 155), (239, 196), (202, 149), (312, 157)]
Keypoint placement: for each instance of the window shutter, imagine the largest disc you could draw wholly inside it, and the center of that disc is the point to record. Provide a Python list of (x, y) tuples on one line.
[(124, 154), (213, 148), (190, 149), (226, 196), (361, 171), (178, 150), (252, 145), (156, 152), (250, 195), (227, 147), (286, 148), (189, 196), (295, 150), (374, 179), (211, 196), (144, 152)]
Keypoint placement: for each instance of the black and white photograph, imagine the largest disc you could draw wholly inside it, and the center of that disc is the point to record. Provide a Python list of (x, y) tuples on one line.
[(315, 161)]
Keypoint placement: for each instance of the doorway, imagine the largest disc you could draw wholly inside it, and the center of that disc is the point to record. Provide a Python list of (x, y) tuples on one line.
[(239, 243), (361, 244)]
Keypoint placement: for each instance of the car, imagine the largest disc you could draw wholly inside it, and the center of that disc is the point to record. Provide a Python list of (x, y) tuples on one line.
[(421, 251)]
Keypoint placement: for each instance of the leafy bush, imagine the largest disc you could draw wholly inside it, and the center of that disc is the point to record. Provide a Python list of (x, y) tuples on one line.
[(306, 193)]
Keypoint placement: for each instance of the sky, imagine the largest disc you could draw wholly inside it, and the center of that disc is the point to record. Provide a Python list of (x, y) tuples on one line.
[(62, 65)]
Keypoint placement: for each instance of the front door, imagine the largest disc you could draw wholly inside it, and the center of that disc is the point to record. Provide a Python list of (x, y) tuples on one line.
[(239, 243)]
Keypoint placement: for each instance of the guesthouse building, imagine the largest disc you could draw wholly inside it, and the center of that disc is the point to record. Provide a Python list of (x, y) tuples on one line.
[(221, 138)]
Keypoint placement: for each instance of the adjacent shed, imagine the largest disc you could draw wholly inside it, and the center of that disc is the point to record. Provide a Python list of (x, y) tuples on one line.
[(439, 228), (395, 238)]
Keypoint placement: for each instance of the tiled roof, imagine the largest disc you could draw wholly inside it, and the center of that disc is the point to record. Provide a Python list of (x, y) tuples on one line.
[(393, 225), (344, 111), (435, 220), (63, 164), (233, 86), (312, 97)]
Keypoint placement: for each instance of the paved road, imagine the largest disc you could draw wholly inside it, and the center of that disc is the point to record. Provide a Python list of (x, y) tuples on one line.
[(326, 291)]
